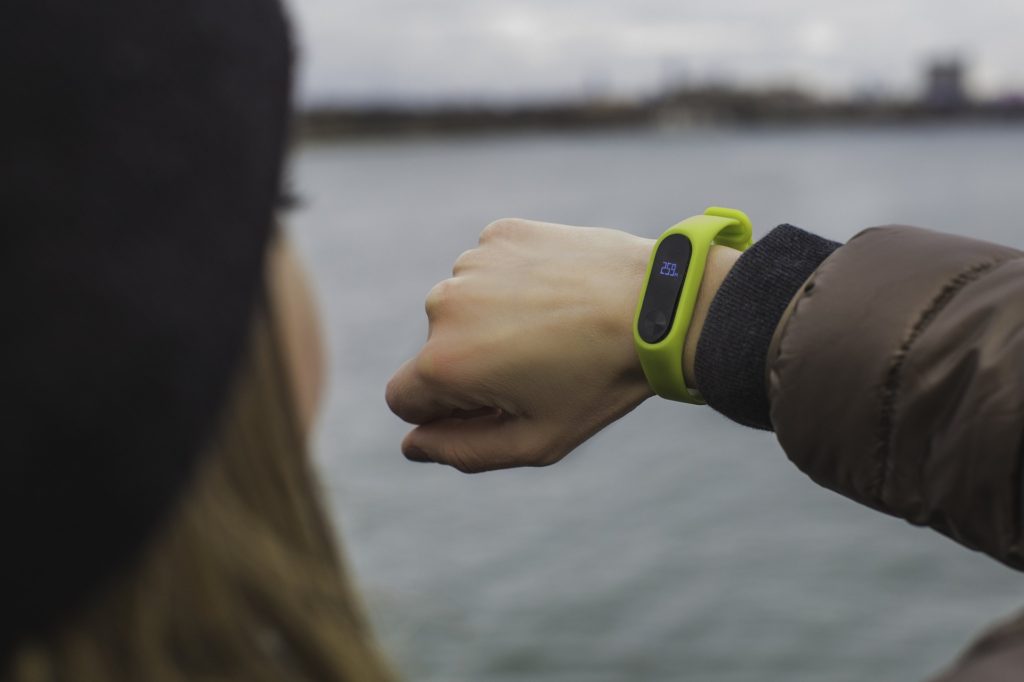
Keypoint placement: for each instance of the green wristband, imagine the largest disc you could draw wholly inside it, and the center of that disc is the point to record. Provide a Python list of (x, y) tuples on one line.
[(674, 275)]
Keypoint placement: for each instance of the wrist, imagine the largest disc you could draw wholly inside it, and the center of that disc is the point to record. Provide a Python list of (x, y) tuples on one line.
[(721, 260), (665, 314)]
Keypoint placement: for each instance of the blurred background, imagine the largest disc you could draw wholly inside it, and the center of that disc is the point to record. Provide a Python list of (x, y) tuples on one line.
[(675, 545)]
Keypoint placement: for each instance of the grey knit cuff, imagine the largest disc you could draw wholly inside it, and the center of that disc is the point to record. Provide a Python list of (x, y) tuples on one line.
[(733, 347)]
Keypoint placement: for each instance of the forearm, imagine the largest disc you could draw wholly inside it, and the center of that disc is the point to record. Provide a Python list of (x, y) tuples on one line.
[(890, 368)]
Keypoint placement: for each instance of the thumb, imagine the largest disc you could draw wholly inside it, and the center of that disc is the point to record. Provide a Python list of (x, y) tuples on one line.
[(494, 441)]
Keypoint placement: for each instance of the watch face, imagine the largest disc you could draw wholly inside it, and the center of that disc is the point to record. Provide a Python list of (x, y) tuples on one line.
[(671, 262)]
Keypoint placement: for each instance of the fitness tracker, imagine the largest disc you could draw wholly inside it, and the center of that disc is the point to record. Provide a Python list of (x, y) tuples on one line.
[(674, 275)]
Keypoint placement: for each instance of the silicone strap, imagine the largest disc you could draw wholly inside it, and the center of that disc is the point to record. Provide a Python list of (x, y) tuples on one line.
[(662, 361)]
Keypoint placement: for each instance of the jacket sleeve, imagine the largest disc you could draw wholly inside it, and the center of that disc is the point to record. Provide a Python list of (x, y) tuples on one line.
[(895, 376)]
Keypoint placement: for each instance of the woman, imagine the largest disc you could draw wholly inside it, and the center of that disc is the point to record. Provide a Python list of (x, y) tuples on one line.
[(159, 515)]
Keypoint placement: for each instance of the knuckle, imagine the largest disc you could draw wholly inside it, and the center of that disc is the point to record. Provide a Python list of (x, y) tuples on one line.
[(393, 396), (433, 366), (438, 298), (464, 261), (504, 227), (398, 397)]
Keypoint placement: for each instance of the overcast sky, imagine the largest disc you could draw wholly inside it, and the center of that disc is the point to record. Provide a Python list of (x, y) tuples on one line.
[(430, 50)]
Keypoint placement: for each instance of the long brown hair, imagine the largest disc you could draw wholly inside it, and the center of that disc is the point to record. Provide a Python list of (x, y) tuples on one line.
[(244, 581)]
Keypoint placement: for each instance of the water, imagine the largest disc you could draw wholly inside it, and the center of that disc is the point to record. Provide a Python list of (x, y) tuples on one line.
[(675, 545)]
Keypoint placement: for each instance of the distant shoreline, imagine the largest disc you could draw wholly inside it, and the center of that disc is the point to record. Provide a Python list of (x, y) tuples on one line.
[(684, 109)]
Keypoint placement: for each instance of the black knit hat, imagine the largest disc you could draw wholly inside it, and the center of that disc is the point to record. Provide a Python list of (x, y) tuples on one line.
[(140, 156)]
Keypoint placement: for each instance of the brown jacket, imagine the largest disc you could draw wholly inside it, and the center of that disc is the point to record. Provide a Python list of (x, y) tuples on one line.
[(921, 338)]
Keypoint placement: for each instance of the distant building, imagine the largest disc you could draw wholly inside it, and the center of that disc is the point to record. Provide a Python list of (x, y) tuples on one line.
[(944, 85)]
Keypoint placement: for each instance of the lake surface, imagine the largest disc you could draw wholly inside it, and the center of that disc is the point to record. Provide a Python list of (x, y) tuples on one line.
[(675, 545)]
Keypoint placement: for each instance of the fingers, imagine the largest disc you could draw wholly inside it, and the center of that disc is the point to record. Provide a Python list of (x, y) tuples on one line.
[(435, 385), (495, 441), (415, 396), (501, 229), (447, 376), (438, 299)]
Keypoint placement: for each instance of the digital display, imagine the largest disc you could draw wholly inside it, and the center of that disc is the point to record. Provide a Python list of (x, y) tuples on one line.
[(664, 287)]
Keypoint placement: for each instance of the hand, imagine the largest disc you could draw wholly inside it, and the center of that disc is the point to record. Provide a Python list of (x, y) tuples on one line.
[(530, 348)]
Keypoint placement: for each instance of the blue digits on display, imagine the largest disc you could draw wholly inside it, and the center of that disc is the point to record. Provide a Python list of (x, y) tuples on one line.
[(669, 269)]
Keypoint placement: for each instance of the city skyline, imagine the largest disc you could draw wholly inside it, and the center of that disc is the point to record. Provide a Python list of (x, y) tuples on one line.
[(493, 51)]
